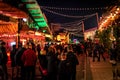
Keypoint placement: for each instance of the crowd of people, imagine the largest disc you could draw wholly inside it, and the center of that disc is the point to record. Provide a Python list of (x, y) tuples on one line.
[(99, 51), (58, 61)]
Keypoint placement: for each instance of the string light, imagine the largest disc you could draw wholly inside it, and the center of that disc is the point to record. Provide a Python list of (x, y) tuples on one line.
[(73, 23), (79, 35), (75, 9), (69, 16), (73, 29), (67, 29)]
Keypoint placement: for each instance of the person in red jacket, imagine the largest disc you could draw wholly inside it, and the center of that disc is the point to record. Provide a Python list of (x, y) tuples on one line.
[(29, 59)]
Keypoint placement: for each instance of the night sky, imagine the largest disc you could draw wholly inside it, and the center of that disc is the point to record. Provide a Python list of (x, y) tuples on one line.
[(76, 3), (90, 22)]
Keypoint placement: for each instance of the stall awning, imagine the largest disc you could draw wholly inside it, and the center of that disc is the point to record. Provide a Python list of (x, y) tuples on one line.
[(8, 28), (11, 11), (36, 13), (9, 16)]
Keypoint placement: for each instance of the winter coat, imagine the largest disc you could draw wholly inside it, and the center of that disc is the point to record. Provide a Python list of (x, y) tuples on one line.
[(29, 57)]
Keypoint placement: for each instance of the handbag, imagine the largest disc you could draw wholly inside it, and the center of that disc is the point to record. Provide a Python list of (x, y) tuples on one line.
[(43, 71)]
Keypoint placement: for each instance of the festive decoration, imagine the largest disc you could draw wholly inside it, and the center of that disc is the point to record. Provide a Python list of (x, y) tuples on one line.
[(75, 9), (7, 28), (64, 15), (36, 13)]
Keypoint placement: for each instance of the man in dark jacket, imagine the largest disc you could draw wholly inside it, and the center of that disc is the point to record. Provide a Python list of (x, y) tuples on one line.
[(18, 61), (72, 61), (12, 57), (4, 60)]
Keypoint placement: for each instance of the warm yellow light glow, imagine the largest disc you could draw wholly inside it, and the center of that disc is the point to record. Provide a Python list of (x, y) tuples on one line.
[(38, 34), (107, 20), (62, 37), (58, 38), (116, 12), (114, 15), (23, 41), (118, 9), (47, 35), (89, 34)]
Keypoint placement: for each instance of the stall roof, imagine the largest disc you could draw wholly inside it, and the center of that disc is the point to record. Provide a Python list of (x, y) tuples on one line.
[(11, 11), (9, 14), (36, 13)]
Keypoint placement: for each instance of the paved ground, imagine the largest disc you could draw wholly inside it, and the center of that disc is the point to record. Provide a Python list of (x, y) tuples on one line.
[(80, 68), (38, 76), (79, 75), (101, 70), (86, 70)]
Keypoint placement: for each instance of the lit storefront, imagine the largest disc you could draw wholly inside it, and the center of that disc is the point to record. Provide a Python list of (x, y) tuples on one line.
[(90, 33), (63, 38), (11, 27)]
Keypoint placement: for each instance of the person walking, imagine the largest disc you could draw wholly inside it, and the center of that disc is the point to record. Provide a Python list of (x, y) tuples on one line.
[(113, 60), (96, 52), (102, 52)]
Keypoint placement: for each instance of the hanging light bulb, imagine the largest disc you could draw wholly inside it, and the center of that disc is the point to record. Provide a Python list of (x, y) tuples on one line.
[(24, 19)]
